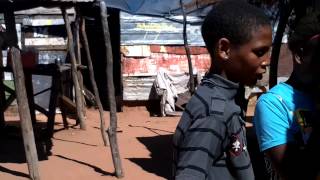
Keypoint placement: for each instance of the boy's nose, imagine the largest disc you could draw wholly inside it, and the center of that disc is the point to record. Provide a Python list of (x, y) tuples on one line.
[(266, 61)]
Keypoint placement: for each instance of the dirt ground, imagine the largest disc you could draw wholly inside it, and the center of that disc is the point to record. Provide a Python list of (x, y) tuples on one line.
[(144, 142)]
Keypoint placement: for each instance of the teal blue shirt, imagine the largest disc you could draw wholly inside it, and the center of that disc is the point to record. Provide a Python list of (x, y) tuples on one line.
[(274, 119)]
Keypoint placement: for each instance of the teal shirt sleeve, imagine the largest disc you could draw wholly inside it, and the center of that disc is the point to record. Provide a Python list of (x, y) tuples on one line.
[(271, 122)]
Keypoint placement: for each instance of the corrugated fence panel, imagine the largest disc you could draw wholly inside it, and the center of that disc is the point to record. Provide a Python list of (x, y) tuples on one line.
[(138, 30)]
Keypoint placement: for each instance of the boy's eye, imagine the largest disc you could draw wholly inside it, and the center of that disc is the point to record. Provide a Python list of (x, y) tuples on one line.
[(260, 52)]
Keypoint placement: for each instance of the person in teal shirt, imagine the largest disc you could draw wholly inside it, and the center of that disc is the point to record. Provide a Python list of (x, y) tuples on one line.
[(280, 135)]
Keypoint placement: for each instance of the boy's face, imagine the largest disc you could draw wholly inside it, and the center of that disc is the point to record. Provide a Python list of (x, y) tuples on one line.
[(248, 62)]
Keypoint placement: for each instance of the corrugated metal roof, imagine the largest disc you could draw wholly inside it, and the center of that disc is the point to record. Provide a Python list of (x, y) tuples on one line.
[(43, 11), (28, 4)]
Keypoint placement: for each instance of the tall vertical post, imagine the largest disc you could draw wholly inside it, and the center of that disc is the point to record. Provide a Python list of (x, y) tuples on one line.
[(74, 69), (187, 49), (111, 94), (78, 56)]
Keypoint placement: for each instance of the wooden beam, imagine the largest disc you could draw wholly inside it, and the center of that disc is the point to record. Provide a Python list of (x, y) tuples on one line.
[(24, 113), (111, 94), (93, 81), (74, 70)]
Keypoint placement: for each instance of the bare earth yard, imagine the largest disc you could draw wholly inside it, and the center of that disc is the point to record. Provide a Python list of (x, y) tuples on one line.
[(144, 142)]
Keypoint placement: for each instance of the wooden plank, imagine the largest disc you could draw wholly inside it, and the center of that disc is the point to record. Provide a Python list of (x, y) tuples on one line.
[(74, 70), (111, 94), (93, 82)]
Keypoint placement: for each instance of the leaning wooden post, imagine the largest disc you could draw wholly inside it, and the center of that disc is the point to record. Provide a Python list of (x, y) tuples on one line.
[(93, 81), (74, 67), (21, 94), (112, 132), (24, 113)]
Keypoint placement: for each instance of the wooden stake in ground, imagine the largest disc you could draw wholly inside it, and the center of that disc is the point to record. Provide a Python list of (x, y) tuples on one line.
[(186, 46), (78, 57), (24, 113), (74, 67), (93, 81), (112, 132)]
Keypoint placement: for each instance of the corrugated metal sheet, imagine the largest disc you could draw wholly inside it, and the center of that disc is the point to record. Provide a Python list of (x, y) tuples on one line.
[(140, 67), (174, 63), (137, 88), (139, 30), (43, 11)]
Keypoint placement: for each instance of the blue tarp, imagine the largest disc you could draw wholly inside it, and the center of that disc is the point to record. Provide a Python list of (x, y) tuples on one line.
[(162, 7)]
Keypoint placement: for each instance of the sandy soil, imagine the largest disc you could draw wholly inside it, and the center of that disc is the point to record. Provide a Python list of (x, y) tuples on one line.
[(144, 142)]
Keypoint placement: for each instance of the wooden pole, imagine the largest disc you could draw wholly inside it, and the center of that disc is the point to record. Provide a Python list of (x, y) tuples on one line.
[(78, 57), (21, 94), (285, 10), (2, 92), (111, 94), (187, 49), (93, 81), (74, 70), (24, 113)]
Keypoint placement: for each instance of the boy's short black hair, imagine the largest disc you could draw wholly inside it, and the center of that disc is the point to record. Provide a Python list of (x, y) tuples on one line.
[(304, 29), (231, 19)]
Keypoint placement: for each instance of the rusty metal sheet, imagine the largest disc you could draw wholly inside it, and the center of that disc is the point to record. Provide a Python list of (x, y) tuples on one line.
[(175, 64)]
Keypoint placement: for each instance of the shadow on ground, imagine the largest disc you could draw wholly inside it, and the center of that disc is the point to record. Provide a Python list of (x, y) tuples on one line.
[(12, 148), (95, 168), (160, 161)]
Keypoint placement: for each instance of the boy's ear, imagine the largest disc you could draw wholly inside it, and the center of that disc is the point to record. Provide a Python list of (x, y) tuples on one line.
[(296, 58), (224, 46)]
